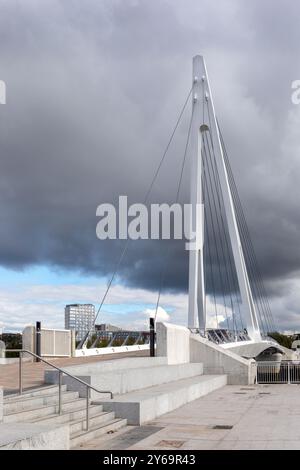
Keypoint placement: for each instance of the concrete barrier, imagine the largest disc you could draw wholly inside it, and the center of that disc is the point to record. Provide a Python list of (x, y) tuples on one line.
[(173, 342), (217, 360)]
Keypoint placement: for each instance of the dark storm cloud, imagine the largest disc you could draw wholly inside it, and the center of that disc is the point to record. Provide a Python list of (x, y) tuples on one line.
[(94, 89)]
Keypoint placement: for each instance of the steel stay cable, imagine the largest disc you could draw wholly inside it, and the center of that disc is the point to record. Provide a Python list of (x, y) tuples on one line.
[(123, 252), (226, 235), (163, 273), (224, 231), (214, 233), (252, 260)]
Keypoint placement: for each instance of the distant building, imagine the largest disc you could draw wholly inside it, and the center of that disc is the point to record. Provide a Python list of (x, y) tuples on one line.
[(106, 327), (81, 318)]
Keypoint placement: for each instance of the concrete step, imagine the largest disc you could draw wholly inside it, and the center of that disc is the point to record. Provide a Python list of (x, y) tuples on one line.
[(45, 390), (121, 382), (67, 417), (96, 421), (125, 381), (46, 410), (29, 436), (85, 436), (91, 368), (30, 403), (144, 405)]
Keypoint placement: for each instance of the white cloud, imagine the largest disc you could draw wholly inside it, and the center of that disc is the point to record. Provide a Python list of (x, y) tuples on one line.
[(124, 306), (24, 305), (161, 315)]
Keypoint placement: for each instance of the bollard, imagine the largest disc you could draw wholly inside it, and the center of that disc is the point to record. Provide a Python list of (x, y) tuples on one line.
[(38, 340), (152, 338)]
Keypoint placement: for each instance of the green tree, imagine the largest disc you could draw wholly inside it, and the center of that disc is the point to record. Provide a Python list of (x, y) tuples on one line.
[(283, 340)]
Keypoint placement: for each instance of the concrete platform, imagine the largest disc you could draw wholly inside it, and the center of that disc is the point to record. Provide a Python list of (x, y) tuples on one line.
[(142, 406), (259, 417), (99, 367), (128, 379)]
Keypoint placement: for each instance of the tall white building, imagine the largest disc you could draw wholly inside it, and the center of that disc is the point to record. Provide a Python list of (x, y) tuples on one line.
[(81, 318)]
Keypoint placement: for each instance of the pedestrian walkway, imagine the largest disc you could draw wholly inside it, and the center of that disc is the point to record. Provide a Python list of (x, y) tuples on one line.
[(231, 418), (33, 372)]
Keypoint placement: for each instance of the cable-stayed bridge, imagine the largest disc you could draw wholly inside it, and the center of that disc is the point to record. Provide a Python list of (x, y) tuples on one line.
[(228, 305), (227, 300), (224, 262)]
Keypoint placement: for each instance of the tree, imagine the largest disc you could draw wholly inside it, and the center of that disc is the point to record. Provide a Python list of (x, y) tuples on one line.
[(283, 340)]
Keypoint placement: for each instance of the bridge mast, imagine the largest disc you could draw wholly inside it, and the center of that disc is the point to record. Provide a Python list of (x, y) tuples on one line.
[(204, 119), (197, 314)]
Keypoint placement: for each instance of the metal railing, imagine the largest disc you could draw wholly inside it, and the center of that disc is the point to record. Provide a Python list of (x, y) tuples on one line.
[(273, 372), (60, 380), (222, 335)]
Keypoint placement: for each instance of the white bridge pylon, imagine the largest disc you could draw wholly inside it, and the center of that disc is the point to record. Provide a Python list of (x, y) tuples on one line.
[(204, 120)]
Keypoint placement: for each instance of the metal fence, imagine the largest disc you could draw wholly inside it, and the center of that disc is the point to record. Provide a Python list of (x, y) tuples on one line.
[(284, 372)]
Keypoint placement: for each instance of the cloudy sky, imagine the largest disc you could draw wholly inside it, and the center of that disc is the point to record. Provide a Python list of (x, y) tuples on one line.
[(93, 91)]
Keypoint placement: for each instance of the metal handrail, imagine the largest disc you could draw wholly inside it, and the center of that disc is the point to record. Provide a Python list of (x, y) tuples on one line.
[(61, 372)]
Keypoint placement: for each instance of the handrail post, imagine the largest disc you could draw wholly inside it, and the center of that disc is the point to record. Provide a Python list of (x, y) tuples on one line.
[(289, 373), (87, 407), (59, 392), (20, 374)]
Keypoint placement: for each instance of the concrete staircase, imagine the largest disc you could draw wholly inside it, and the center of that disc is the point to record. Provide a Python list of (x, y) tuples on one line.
[(143, 388), (40, 407)]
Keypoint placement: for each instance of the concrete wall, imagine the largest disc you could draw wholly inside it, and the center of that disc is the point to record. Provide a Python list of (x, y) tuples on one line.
[(217, 360), (178, 345), (28, 339), (173, 342)]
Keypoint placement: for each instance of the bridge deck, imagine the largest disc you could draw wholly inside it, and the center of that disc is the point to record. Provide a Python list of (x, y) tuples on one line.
[(33, 372)]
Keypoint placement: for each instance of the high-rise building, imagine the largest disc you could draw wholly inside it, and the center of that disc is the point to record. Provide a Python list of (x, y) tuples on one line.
[(81, 318)]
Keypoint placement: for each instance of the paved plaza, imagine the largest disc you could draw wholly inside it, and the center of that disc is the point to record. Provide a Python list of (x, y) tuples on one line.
[(233, 417)]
